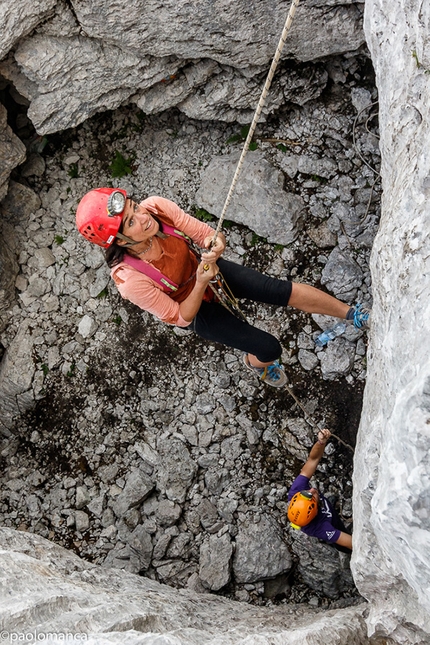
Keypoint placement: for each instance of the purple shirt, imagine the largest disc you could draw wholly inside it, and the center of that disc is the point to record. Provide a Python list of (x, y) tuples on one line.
[(321, 526)]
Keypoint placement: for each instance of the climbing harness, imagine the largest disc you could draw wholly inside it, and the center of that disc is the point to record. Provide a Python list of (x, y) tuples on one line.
[(152, 272), (218, 285), (165, 283), (226, 297)]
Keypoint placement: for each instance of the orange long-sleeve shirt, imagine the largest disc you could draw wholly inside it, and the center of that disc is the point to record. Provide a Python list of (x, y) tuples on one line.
[(141, 289)]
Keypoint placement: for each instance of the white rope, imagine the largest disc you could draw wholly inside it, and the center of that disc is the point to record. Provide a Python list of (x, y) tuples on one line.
[(260, 106), (311, 421)]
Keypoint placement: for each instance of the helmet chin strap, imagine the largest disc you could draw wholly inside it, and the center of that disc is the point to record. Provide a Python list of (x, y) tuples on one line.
[(128, 240)]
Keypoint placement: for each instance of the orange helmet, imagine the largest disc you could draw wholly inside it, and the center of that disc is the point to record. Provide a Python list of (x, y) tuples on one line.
[(99, 215), (302, 509)]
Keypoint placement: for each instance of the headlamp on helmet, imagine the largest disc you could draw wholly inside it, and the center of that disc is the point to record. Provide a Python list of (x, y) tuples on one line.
[(116, 203), (302, 509), (99, 215)]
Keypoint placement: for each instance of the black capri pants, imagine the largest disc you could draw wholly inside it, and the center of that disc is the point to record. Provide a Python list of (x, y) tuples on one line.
[(214, 322)]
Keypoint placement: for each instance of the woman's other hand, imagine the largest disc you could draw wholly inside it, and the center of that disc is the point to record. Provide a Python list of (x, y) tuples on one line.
[(206, 271), (217, 249)]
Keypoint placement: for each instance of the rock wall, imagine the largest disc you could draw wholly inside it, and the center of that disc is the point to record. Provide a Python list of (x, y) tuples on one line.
[(52, 595), (391, 483), (144, 447), (73, 59), (392, 464), (12, 153)]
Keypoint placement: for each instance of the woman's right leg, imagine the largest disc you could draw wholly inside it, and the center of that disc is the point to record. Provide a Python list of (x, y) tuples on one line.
[(261, 350), (314, 301), (215, 323)]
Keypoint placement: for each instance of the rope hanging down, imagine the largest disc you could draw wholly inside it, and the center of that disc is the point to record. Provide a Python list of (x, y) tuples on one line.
[(245, 149), (260, 106), (311, 421)]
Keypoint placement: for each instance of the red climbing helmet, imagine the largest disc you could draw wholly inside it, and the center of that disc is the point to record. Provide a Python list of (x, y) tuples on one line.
[(99, 215), (302, 509)]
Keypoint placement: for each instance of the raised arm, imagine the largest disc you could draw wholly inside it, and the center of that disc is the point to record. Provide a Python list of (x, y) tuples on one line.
[(206, 270), (315, 454), (216, 250), (345, 539), (189, 307)]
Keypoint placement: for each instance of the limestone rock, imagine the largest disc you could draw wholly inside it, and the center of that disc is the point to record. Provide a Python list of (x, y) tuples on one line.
[(323, 567), (307, 359), (117, 607), (301, 429), (82, 497), (342, 275), (216, 480), (176, 469), (34, 166), (62, 23), (9, 269), (17, 19), (391, 481), (19, 203), (167, 512), (75, 64), (16, 376), (87, 326), (351, 219), (12, 152), (259, 200), (178, 87), (82, 521), (322, 236), (215, 556), (337, 359), (137, 488), (207, 513), (141, 547), (260, 551)]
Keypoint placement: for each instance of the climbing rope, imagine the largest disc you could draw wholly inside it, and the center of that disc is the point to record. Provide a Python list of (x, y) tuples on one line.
[(311, 422), (260, 106), (358, 151), (225, 296), (354, 135), (227, 299)]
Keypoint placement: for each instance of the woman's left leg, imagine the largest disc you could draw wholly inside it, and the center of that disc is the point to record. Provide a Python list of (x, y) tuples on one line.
[(315, 301), (215, 323), (253, 285)]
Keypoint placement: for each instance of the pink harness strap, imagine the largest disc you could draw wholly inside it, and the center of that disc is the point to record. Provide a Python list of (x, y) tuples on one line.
[(151, 272), (147, 269)]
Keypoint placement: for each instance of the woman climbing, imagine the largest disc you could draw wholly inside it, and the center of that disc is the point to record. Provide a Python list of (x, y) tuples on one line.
[(149, 251)]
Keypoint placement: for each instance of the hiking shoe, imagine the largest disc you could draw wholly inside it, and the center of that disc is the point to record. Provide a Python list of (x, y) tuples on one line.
[(359, 316), (273, 374)]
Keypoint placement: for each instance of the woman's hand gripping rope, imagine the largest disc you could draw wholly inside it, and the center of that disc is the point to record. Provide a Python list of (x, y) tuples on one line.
[(214, 250), (207, 272)]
